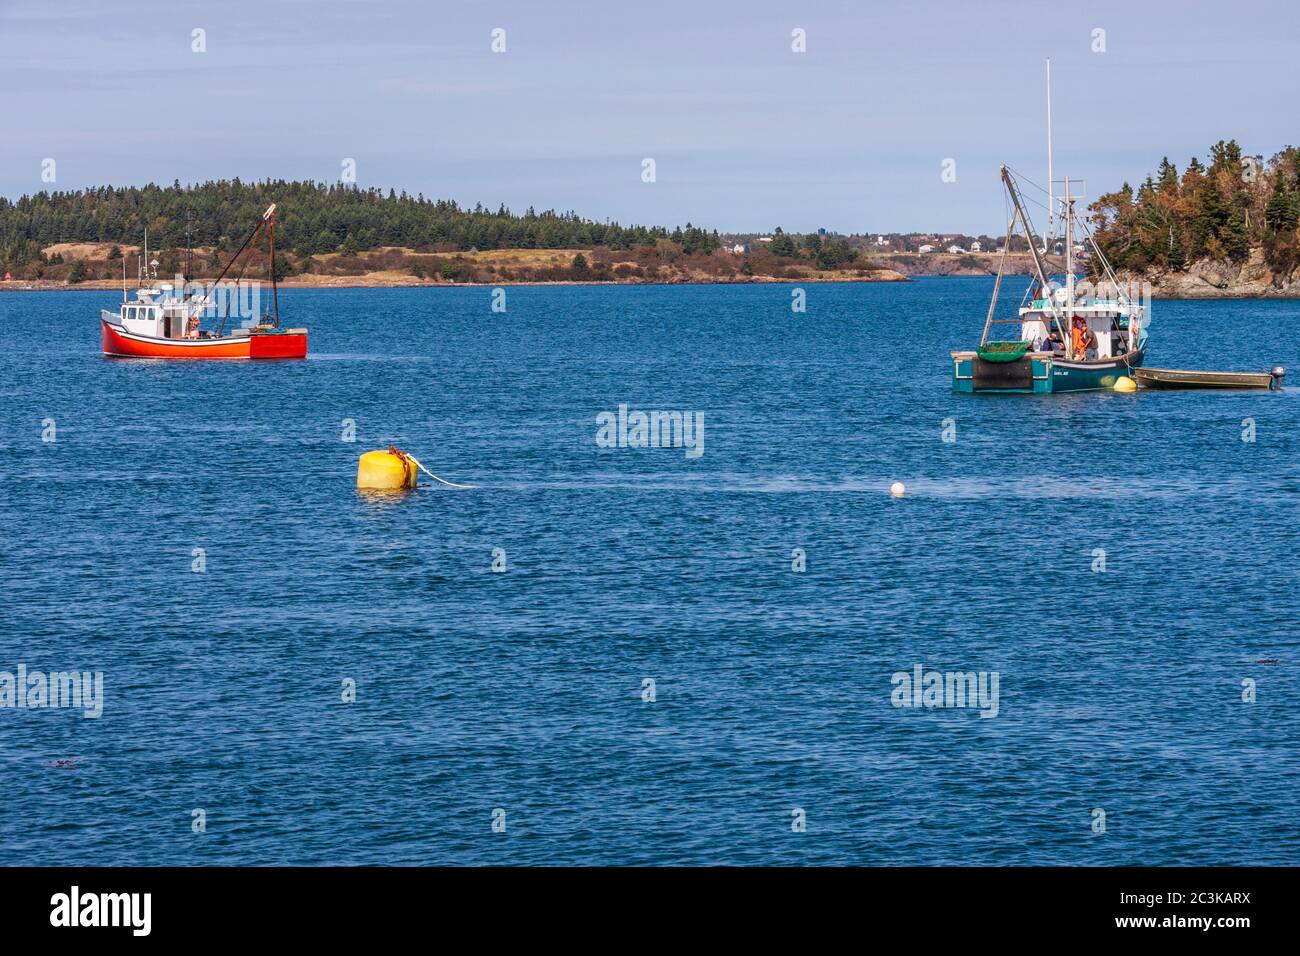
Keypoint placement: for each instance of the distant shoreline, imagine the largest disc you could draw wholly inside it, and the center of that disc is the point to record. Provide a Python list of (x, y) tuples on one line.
[(361, 282), (99, 286), (1203, 281)]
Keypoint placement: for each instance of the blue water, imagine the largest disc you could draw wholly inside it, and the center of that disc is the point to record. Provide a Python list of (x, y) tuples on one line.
[(522, 690)]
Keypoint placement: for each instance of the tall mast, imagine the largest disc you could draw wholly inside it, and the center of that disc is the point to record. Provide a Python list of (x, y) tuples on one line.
[(1051, 204)]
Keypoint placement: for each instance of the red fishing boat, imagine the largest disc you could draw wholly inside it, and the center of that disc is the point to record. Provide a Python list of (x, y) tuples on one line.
[(159, 323)]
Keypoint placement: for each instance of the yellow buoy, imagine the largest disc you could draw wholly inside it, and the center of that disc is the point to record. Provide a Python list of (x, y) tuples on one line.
[(1125, 384), (386, 471)]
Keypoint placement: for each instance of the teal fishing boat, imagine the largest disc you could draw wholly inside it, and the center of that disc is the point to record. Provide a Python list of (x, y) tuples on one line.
[(1067, 335)]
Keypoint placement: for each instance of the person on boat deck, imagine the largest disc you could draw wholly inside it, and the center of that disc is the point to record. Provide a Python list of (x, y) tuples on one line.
[(1089, 343), (192, 327), (1051, 343), (1076, 339)]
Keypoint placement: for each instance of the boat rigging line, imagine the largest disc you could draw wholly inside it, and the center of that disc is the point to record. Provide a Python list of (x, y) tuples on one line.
[(268, 216), (1082, 221)]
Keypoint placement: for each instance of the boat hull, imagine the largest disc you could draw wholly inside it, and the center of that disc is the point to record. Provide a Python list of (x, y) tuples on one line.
[(119, 343), (1039, 373), (1185, 378)]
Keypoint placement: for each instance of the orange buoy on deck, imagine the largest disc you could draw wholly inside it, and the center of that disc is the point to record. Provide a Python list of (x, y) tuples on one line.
[(390, 470)]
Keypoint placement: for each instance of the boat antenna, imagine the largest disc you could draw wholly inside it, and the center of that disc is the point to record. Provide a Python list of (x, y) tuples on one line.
[(1051, 204), (189, 219), (1068, 202)]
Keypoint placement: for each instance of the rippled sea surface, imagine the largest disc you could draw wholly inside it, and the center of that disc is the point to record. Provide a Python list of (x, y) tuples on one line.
[(522, 691)]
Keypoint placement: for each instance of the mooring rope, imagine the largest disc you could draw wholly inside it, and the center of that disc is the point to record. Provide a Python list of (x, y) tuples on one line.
[(408, 460), (449, 484), (405, 457)]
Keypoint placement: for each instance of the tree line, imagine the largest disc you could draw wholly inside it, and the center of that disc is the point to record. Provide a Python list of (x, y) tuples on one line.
[(1220, 212), (312, 219), (826, 252)]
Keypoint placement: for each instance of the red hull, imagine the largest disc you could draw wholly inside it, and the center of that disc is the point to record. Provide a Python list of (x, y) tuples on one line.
[(257, 345)]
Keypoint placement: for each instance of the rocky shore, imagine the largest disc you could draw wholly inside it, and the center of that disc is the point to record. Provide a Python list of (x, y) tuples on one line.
[(1209, 279)]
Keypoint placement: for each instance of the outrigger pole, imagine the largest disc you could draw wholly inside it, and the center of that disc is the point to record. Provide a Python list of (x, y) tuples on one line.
[(997, 284), (268, 216), (275, 293), (1038, 262)]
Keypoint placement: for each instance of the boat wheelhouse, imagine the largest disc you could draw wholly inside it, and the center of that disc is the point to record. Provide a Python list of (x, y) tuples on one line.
[(160, 323)]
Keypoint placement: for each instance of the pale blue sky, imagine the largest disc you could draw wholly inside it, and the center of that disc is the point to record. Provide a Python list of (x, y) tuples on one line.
[(746, 134)]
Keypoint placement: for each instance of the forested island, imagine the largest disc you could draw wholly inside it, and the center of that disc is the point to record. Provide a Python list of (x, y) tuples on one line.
[(340, 234), (1228, 228)]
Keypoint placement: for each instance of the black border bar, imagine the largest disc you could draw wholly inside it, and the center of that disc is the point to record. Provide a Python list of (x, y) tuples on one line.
[(332, 905)]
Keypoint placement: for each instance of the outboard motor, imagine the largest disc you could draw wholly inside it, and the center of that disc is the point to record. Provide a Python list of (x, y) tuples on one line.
[(1278, 372)]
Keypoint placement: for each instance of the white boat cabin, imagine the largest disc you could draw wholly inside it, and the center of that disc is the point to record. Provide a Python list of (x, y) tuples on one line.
[(1116, 322), (158, 313)]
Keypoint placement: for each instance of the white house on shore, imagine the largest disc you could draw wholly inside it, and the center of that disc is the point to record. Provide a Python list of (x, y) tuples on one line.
[(954, 249), (926, 248)]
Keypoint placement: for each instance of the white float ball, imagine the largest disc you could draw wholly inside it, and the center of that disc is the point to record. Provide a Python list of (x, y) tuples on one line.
[(898, 489)]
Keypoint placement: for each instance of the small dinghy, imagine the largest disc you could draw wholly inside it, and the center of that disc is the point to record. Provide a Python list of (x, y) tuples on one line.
[(1188, 378)]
